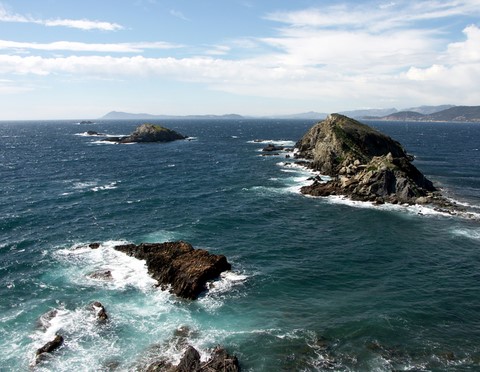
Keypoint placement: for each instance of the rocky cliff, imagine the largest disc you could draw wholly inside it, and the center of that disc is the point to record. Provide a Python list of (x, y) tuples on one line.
[(364, 164)]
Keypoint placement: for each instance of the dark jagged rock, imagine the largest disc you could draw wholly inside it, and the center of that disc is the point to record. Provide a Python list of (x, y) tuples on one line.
[(94, 245), (190, 361), (178, 264), (149, 133), (271, 148), (100, 312), (48, 348), (161, 366), (220, 361), (364, 164)]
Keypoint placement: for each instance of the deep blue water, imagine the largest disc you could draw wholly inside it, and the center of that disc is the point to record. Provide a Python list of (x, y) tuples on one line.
[(317, 284)]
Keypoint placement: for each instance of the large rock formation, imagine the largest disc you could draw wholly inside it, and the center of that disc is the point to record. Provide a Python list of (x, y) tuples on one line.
[(364, 164), (149, 133), (178, 264)]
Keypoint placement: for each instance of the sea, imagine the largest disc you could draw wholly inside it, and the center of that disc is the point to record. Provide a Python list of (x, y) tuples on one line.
[(317, 284)]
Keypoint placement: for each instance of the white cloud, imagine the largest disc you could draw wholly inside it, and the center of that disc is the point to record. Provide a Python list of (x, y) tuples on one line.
[(466, 51), (82, 24), (178, 14), (88, 47), (218, 50), (373, 17)]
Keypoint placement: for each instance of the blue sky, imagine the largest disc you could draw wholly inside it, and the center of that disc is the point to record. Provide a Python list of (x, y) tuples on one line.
[(66, 59)]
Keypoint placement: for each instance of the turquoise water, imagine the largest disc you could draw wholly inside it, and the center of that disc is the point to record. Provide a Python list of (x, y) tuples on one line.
[(317, 284)]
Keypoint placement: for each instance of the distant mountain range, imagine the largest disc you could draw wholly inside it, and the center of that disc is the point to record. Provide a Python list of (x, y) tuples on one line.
[(421, 113), (455, 113), (119, 115)]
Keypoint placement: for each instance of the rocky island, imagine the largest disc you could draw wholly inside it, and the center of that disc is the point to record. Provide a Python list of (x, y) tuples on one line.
[(148, 133), (363, 164)]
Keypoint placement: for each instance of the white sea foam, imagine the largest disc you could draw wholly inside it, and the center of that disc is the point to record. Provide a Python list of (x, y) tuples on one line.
[(101, 142), (422, 210), (286, 143), (86, 134), (84, 342), (92, 186), (213, 298), (84, 185), (468, 233), (126, 271), (109, 186)]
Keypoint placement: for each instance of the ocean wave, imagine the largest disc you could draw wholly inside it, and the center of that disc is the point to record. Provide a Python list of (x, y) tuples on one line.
[(217, 289), (109, 186), (85, 345), (91, 186), (468, 233)]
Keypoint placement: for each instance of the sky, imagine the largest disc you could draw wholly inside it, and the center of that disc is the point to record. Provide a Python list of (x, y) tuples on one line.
[(70, 59)]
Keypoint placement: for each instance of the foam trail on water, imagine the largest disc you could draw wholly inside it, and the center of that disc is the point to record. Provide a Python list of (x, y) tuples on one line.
[(274, 142), (468, 233)]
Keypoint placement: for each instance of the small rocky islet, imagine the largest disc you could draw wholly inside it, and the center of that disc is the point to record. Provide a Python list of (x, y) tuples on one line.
[(148, 133)]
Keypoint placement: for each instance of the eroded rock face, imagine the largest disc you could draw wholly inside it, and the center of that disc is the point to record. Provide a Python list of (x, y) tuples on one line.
[(364, 164), (178, 264)]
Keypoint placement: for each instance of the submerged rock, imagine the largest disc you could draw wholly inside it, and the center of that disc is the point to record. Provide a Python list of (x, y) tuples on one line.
[(149, 133), (364, 164), (103, 274), (178, 264)]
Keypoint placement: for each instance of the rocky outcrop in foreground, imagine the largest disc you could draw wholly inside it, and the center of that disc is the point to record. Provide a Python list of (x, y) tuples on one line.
[(364, 164), (148, 133), (178, 264), (220, 361)]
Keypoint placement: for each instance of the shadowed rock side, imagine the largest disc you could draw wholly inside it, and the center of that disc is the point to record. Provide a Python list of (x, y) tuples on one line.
[(178, 264), (149, 133), (364, 164)]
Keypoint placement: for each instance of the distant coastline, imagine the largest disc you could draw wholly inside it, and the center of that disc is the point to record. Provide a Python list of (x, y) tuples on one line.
[(442, 113)]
